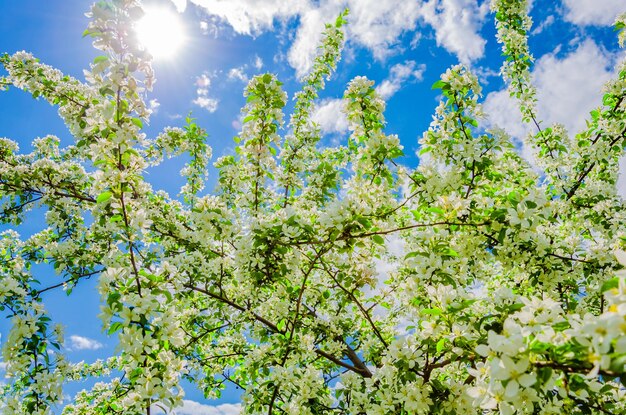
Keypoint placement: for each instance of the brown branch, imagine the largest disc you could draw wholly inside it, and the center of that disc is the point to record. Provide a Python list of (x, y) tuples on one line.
[(386, 232), (365, 373), (236, 306), (586, 172), (74, 279), (359, 305), (358, 367), (569, 258), (571, 369)]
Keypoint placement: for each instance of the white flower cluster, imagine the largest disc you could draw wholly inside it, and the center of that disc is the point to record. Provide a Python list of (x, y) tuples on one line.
[(513, 24), (319, 281), (620, 24), (298, 151)]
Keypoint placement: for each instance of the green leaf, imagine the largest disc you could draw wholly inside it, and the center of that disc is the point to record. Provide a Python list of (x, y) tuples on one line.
[(514, 198), (113, 298), (440, 345), (438, 85), (610, 284), (137, 122), (115, 327), (104, 196), (563, 325), (267, 78), (435, 210), (411, 254), (530, 204), (544, 374), (101, 58), (379, 239), (282, 324)]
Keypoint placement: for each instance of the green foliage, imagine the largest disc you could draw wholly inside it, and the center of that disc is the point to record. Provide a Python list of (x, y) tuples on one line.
[(318, 280)]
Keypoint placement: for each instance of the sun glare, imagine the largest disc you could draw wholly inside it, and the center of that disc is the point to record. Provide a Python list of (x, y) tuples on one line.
[(160, 32)]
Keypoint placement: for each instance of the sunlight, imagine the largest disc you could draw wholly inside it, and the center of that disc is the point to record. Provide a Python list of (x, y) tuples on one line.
[(160, 32)]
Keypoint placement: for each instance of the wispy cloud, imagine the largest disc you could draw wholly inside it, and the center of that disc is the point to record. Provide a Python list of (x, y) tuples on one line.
[(258, 62), (154, 105), (330, 117), (203, 100), (376, 25), (544, 25), (252, 17), (457, 24), (329, 113), (195, 408), (238, 74), (568, 88), (83, 343), (593, 13), (181, 5), (399, 74)]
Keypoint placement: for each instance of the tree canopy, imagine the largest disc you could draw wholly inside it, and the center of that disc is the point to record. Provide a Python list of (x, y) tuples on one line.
[(319, 280)]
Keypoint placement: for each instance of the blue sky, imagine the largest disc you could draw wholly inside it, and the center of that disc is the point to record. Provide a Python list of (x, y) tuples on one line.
[(401, 44)]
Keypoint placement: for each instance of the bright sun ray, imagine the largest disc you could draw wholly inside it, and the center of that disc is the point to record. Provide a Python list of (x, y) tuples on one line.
[(160, 32)]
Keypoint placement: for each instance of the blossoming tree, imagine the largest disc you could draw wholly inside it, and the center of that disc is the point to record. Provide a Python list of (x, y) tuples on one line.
[(502, 292)]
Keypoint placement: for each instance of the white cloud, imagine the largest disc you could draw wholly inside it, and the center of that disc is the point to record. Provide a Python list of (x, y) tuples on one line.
[(502, 111), (329, 112), (374, 24), (543, 25), (203, 81), (304, 46), (258, 62), (330, 116), (399, 74), (181, 5), (195, 408), (377, 24), (238, 74), (596, 12), (83, 343), (567, 89), (209, 104), (456, 24), (210, 25), (251, 17), (203, 100), (154, 105)]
